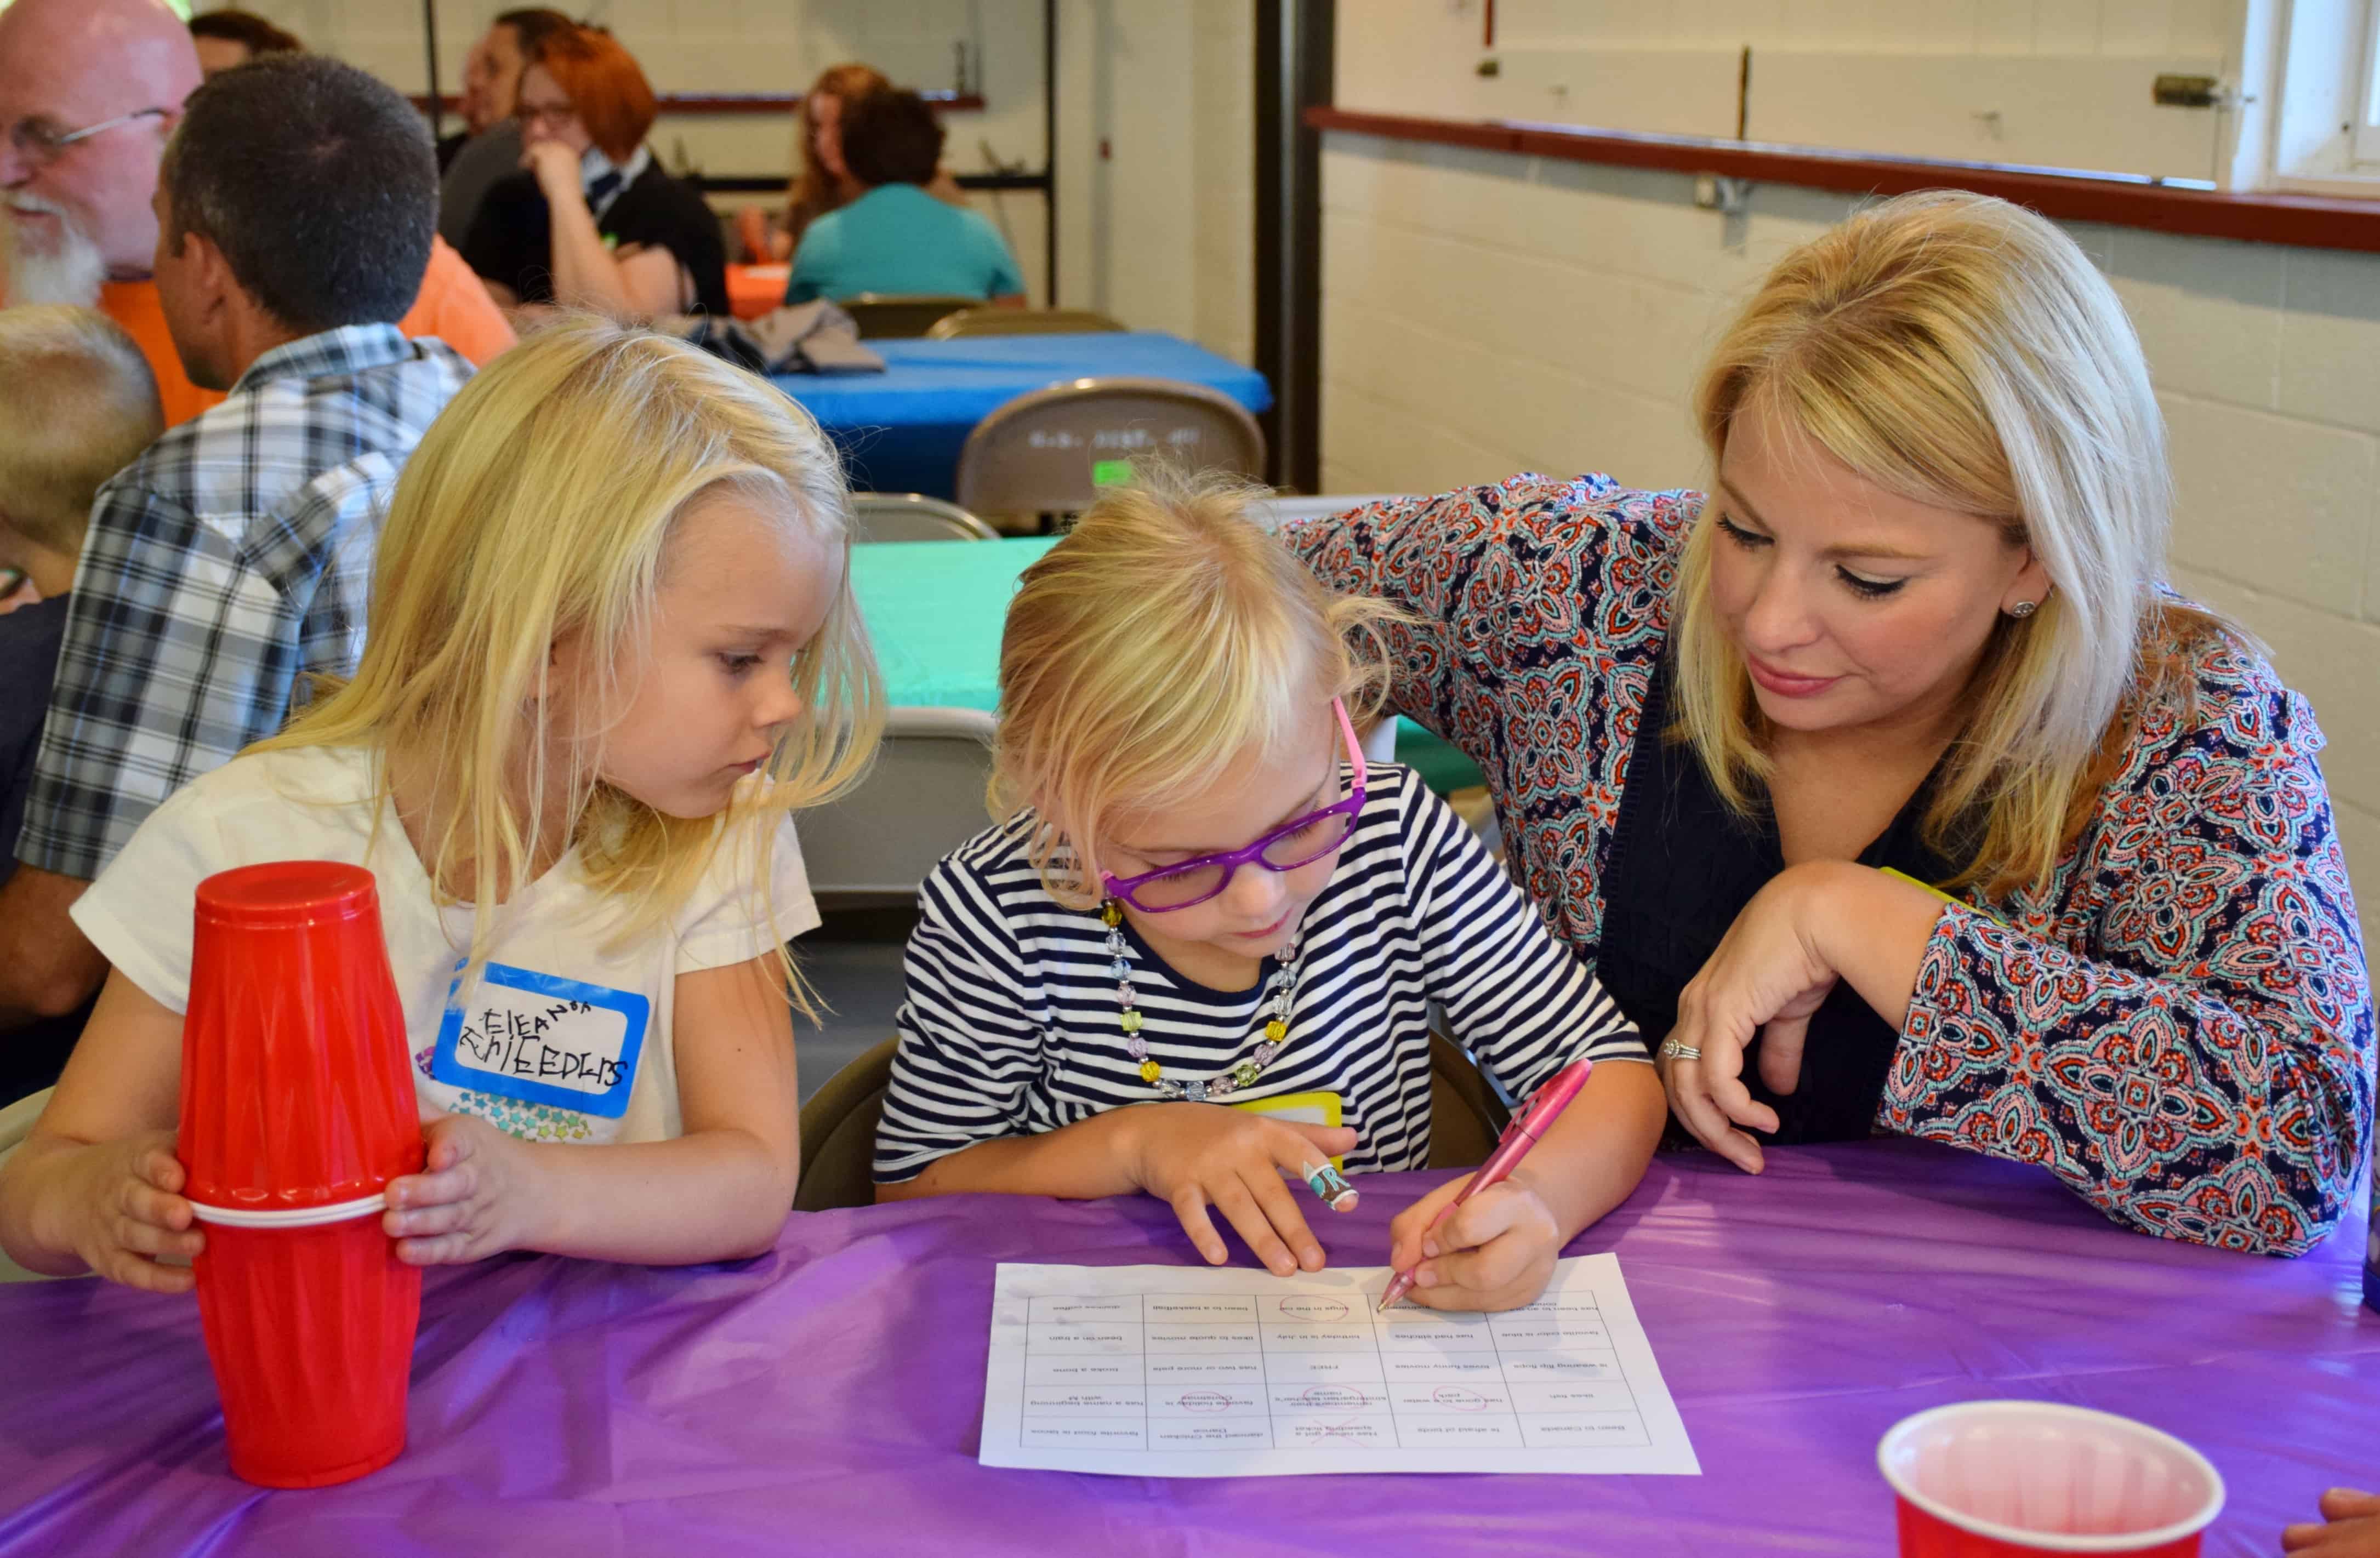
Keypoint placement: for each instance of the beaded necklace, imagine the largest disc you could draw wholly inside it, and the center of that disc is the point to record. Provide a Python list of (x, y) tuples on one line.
[(1280, 993)]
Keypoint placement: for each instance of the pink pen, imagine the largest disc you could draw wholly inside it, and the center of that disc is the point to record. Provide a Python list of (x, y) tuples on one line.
[(1532, 1122)]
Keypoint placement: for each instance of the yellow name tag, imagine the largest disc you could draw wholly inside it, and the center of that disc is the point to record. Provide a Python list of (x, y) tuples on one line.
[(1305, 1108)]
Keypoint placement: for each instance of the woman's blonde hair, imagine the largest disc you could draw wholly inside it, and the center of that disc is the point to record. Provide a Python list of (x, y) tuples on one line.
[(1963, 353), (1165, 642), (541, 503)]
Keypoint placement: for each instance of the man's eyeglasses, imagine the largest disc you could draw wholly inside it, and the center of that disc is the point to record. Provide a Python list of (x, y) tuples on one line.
[(38, 143), (1284, 849)]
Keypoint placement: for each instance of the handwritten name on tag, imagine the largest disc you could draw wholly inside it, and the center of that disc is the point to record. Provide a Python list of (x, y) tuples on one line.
[(542, 1039)]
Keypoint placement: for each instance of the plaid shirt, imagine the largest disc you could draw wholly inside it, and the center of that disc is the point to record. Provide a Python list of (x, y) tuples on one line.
[(235, 554)]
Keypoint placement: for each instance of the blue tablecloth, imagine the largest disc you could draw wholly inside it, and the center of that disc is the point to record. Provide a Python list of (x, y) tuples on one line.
[(902, 428)]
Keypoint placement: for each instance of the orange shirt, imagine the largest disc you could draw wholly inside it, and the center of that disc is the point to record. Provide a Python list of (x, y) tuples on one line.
[(452, 306)]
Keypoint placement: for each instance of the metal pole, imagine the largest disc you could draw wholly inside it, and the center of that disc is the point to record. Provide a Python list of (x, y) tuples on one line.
[(437, 101), (1049, 142)]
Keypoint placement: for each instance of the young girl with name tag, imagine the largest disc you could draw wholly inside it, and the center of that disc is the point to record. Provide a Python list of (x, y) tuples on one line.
[(612, 646), (1202, 952)]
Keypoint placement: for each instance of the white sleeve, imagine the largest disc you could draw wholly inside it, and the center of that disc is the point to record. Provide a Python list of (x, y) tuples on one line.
[(141, 911), (755, 898)]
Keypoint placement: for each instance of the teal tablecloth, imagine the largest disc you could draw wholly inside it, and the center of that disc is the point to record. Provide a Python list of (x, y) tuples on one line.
[(935, 610)]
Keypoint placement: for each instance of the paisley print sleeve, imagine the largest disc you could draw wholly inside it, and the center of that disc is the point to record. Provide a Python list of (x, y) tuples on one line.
[(2181, 1027)]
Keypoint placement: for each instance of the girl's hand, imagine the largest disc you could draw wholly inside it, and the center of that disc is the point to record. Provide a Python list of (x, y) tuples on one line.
[(1496, 1252), (2351, 1528), (1197, 1155), (476, 1196), (127, 1208), (1765, 978)]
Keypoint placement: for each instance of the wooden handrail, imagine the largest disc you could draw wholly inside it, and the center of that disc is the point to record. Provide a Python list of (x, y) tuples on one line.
[(2121, 199)]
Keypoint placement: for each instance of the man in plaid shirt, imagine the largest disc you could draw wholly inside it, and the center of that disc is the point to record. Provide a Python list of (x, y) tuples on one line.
[(295, 207)]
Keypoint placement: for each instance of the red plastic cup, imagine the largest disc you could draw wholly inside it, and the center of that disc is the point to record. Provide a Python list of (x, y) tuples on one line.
[(2020, 1478), (298, 1109)]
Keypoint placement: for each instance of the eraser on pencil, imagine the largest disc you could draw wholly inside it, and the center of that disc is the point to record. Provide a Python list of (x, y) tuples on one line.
[(1330, 1185)]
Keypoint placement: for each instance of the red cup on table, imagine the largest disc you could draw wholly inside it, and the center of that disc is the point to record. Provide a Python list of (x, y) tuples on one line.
[(2020, 1478), (298, 1109)]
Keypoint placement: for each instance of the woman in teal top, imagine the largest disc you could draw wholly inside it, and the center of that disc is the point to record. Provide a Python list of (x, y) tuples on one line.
[(898, 238)]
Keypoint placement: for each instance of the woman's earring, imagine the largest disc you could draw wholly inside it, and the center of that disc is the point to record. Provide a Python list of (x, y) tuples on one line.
[(2022, 609)]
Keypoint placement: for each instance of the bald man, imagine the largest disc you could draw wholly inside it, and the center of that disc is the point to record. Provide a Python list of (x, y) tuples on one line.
[(89, 90)]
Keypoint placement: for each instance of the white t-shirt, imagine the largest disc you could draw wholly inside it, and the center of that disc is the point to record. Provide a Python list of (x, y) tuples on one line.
[(559, 1040)]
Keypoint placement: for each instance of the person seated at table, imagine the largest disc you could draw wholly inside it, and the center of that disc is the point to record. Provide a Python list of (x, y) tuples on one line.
[(594, 220), (612, 646), (1208, 899), (897, 238), (228, 39), (1921, 622), (77, 403), (822, 180)]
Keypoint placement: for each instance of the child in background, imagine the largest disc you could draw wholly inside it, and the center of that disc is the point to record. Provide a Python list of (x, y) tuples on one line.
[(77, 403), (611, 645), (1211, 899)]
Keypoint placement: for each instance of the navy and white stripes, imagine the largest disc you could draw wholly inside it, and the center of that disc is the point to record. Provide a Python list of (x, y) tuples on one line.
[(1010, 1023)]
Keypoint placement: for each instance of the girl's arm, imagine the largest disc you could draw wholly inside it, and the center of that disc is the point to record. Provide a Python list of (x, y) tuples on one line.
[(1498, 1250), (95, 1188), (721, 1192)]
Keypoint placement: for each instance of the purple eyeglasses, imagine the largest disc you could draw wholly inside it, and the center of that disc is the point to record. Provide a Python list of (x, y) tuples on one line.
[(1286, 848)]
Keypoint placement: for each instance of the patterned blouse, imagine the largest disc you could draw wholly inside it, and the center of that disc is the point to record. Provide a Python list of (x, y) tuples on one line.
[(2179, 1026)]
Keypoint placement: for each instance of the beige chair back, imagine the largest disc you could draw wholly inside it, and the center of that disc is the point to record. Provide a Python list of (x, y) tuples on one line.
[(890, 316), (1050, 451), (1023, 321), (923, 799), (913, 516)]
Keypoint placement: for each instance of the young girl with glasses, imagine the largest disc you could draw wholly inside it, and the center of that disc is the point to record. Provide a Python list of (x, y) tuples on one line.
[(1209, 924)]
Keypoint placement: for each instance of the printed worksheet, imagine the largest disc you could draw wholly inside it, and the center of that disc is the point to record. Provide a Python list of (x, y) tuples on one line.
[(1200, 1371)]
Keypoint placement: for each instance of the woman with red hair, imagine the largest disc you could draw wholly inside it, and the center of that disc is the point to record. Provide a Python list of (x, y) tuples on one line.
[(594, 220)]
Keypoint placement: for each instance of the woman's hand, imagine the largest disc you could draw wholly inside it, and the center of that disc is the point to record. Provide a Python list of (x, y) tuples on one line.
[(1496, 1252), (2351, 1528), (124, 1209), (476, 1196), (1815, 924), (1199, 1155), (1765, 979), (557, 167)]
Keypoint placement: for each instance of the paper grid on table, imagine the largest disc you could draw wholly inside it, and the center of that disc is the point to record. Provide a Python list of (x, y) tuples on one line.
[(1183, 1371)]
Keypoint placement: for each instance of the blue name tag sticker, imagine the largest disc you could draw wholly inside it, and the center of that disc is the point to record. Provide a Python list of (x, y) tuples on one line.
[(543, 1040)]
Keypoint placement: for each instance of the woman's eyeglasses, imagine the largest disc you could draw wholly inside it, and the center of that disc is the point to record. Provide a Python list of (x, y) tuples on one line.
[(1301, 842)]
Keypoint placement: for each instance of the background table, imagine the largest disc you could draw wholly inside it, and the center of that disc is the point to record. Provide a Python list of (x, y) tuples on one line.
[(902, 428), (826, 1397), (935, 610)]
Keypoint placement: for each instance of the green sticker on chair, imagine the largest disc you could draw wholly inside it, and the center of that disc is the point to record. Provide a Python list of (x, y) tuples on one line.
[(1111, 473)]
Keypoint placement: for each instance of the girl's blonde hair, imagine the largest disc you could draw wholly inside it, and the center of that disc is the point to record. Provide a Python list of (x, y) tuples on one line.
[(1963, 353), (541, 503), (1165, 642)]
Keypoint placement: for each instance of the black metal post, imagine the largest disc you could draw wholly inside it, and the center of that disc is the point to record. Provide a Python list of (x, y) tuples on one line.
[(1293, 72), (437, 100), (1050, 142)]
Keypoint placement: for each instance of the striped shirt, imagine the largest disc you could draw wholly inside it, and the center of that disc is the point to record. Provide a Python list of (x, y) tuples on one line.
[(1010, 1026), (231, 557)]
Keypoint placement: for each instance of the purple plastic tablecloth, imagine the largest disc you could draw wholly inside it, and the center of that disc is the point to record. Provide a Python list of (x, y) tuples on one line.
[(824, 1398)]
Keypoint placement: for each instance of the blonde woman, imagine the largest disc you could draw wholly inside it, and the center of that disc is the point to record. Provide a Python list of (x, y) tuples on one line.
[(610, 608), (1207, 922), (1918, 623)]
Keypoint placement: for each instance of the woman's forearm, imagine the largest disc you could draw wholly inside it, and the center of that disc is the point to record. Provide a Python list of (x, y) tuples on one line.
[(586, 273)]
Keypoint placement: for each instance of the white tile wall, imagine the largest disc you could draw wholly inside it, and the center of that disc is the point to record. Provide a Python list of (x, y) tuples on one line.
[(1484, 314)]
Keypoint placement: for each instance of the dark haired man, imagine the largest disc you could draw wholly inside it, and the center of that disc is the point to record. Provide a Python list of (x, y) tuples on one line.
[(295, 212)]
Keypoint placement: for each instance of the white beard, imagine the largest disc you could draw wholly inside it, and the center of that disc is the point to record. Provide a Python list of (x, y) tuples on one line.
[(71, 272)]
